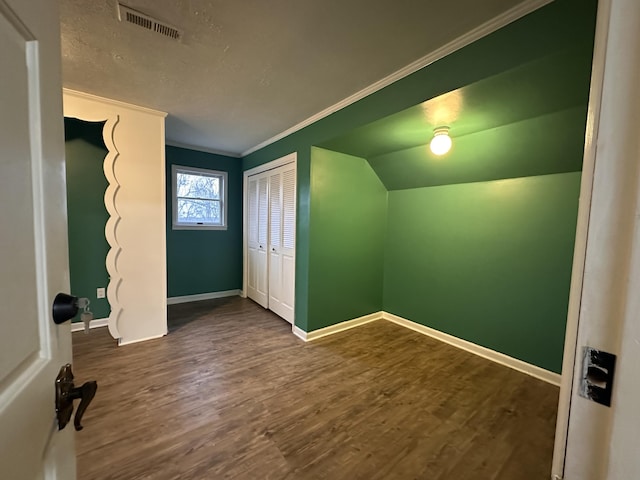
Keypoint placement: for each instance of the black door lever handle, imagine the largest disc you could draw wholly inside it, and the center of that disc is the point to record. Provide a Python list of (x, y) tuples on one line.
[(66, 393)]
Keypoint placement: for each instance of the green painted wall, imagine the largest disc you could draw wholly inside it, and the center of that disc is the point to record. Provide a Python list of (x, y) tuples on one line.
[(86, 213), (550, 29), (348, 223), (559, 81), (517, 150), (487, 262), (204, 261)]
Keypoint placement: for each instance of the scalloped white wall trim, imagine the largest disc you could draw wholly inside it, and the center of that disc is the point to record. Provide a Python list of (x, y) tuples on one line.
[(135, 201), (112, 225)]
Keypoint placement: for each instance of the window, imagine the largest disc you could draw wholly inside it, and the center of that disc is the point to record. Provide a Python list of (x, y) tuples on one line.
[(199, 199)]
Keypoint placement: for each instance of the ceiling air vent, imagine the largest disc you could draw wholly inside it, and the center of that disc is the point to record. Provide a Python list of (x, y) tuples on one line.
[(128, 14)]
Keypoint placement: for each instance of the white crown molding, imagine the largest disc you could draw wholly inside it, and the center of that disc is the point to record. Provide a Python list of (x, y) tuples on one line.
[(117, 103), (477, 33), (186, 146), (279, 162), (505, 360), (202, 296), (96, 323)]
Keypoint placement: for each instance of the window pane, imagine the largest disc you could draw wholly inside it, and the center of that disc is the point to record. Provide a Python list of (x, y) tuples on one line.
[(199, 211), (197, 186)]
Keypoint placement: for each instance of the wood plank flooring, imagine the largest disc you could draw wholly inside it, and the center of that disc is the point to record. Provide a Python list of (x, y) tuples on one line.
[(230, 393)]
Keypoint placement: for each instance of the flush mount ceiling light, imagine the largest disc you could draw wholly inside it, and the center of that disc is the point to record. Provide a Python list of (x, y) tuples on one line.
[(441, 141)]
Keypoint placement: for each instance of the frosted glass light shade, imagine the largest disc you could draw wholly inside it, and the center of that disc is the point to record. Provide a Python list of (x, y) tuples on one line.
[(441, 141)]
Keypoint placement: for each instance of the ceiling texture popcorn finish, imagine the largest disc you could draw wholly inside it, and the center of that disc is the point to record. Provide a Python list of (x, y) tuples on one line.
[(245, 71)]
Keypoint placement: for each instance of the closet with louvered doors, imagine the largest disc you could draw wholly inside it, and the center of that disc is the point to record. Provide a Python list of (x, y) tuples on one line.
[(271, 226)]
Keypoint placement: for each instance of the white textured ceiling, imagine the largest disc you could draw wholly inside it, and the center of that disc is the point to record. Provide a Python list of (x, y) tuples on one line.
[(247, 70)]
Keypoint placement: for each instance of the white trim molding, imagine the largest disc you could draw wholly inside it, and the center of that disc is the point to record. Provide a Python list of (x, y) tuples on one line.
[(569, 358), (298, 332), (278, 162), (95, 323), (501, 358), (511, 15), (115, 103), (339, 327), (138, 340), (202, 296)]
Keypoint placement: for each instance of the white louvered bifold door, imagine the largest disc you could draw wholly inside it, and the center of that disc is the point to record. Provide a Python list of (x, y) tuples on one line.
[(275, 240), (271, 239), (288, 243), (258, 227)]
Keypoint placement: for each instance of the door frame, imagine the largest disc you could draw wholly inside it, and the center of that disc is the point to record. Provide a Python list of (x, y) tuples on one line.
[(279, 162), (591, 440), (580, 245)]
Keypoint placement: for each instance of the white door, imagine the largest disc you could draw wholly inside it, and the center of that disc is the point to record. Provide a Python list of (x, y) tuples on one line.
[(258, 229), (275, 240), (270, 235), (33, 243), (252, 237), (282, 221)]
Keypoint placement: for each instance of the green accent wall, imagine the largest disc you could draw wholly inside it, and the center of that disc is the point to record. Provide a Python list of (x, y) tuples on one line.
[(486, 262), (348, 223), (86, 213), (561, 24), (205, 261)]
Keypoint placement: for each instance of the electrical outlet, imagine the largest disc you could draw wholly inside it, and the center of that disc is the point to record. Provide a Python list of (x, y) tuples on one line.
[(101, 293)]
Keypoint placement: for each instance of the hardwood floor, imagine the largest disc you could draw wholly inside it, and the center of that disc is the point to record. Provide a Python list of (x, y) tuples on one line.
[(231, 393)]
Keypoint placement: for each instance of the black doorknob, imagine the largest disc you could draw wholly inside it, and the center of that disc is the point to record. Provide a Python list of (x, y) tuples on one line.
[(65, 307)]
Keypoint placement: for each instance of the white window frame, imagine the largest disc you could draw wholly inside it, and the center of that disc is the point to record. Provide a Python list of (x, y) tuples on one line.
[(175, 169)]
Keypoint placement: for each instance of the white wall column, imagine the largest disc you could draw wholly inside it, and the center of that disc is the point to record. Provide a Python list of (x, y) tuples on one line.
[(135, 200)]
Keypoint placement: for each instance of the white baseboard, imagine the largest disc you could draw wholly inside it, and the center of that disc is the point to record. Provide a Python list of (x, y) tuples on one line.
[(202, 296), (501, 358), (298, 332), (122, 343), (96, 323), (340, 327), (519, 365)]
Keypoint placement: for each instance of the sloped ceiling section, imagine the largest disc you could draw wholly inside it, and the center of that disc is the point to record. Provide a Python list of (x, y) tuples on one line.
[(245, 71), (529, 120)]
